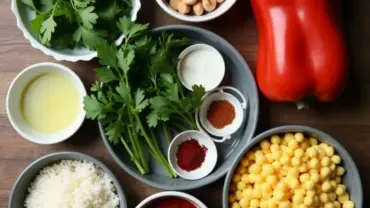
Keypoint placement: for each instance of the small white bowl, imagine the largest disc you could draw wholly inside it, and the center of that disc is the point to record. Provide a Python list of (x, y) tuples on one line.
[(209, 162), (229, 129), (14, 110), (24, 15), (164, 194), (222, 8), (201, 64)]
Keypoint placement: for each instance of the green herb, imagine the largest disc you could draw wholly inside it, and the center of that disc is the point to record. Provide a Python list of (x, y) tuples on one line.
[(138, 91), (71, 23)]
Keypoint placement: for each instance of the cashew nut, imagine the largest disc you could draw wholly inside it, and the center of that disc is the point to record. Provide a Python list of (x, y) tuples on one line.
[(190, 2), (183, 8), (198, 9), (209, 5), (220, 1), (174, 3)]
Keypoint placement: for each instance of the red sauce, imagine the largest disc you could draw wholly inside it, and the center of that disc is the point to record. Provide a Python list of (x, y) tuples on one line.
[(171, 202)]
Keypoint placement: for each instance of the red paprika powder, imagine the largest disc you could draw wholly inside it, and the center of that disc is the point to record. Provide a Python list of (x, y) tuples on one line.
[(171, 202), (221, 113), (190, 155)]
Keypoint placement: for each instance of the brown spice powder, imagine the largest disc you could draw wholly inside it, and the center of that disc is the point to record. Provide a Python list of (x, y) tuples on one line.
[(221, 113)]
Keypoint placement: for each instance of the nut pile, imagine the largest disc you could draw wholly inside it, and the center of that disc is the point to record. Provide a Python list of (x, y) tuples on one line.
[(199, 7), (289, 171)]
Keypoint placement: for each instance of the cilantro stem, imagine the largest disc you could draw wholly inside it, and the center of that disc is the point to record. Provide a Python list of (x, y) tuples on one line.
[(166, 133), (133, 158)]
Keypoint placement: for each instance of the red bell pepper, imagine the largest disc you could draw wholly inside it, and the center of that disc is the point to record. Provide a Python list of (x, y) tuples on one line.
[(301, 51)]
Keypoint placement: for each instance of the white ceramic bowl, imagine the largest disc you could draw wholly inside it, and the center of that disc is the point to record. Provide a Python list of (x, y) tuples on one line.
[(208, 71), (14, 110), (209, 162), (186, 196), (222, 8), (24, 16)]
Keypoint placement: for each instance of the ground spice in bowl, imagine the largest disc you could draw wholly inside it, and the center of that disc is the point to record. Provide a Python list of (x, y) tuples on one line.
[(190, 155), (171, 202), (221, 113)]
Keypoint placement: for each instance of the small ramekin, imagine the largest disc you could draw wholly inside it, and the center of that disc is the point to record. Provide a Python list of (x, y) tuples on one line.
[(13, 107)]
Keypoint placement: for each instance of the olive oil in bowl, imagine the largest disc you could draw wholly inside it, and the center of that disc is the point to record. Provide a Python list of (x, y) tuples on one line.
[(50, 103)]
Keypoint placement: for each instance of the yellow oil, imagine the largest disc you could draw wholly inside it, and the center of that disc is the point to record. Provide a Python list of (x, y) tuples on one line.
[(50, 103)]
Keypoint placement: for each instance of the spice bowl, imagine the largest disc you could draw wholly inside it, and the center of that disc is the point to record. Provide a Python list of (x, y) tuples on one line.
[(199, 61), (172, 198), (192, 155), (221, 113)]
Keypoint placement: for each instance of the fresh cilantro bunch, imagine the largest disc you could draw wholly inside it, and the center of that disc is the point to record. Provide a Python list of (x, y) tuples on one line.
[(139, 91), (69, 23)]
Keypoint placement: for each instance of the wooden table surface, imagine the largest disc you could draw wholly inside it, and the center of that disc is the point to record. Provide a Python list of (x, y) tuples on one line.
[(346, 119)]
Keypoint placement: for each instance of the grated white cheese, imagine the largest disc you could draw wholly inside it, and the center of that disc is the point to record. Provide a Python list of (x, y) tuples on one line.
[(72, 184)]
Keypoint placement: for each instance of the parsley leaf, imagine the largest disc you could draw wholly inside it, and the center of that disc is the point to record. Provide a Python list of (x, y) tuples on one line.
[(47, 29), (197, 95), (125, 59), (37, 23), (90, 38), (140, 102), (106, 75), (93, 108), (130, 29), (29, 3), (82, 3), (107, 55), (113, 132), (152, 119), (110, 12), (88, 17)]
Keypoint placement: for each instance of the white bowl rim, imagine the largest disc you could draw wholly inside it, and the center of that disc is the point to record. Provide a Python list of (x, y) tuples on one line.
[(210, 16), (79, 121), (55, 54), (171, 193), (86, 157)]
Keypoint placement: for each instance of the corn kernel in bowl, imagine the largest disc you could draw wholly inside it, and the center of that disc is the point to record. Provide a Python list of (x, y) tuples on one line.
[(290, 170)]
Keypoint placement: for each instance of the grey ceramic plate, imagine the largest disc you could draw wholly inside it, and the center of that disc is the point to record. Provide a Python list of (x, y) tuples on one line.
[(237, 75), (20, 188), (351, 178)]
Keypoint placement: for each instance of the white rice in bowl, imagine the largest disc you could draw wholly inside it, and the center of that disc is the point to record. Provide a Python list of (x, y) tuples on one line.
[(72, 183)]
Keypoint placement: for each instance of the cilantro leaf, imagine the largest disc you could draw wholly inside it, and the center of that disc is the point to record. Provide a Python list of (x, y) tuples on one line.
[(125, 60), (106, 75), (90, 38), (47, 5), (95, 87), (88, 17), (123, 91), (110, 12), (197, 96), (130, 29), (140, 102), (167, 78), (107, 55), (64, 9), (47, 29), (93, 108)]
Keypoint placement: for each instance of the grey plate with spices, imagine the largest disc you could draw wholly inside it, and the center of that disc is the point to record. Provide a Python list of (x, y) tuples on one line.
[(20, 189), (237, 75)]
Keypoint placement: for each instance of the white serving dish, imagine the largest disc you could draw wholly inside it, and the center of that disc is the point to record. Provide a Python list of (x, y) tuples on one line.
[(24, 16), (14, 110), (222, 8), (185, 196), (210, 159)]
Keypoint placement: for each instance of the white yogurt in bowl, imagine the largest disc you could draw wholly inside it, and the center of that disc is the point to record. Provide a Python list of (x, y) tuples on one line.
[(201, 64)]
